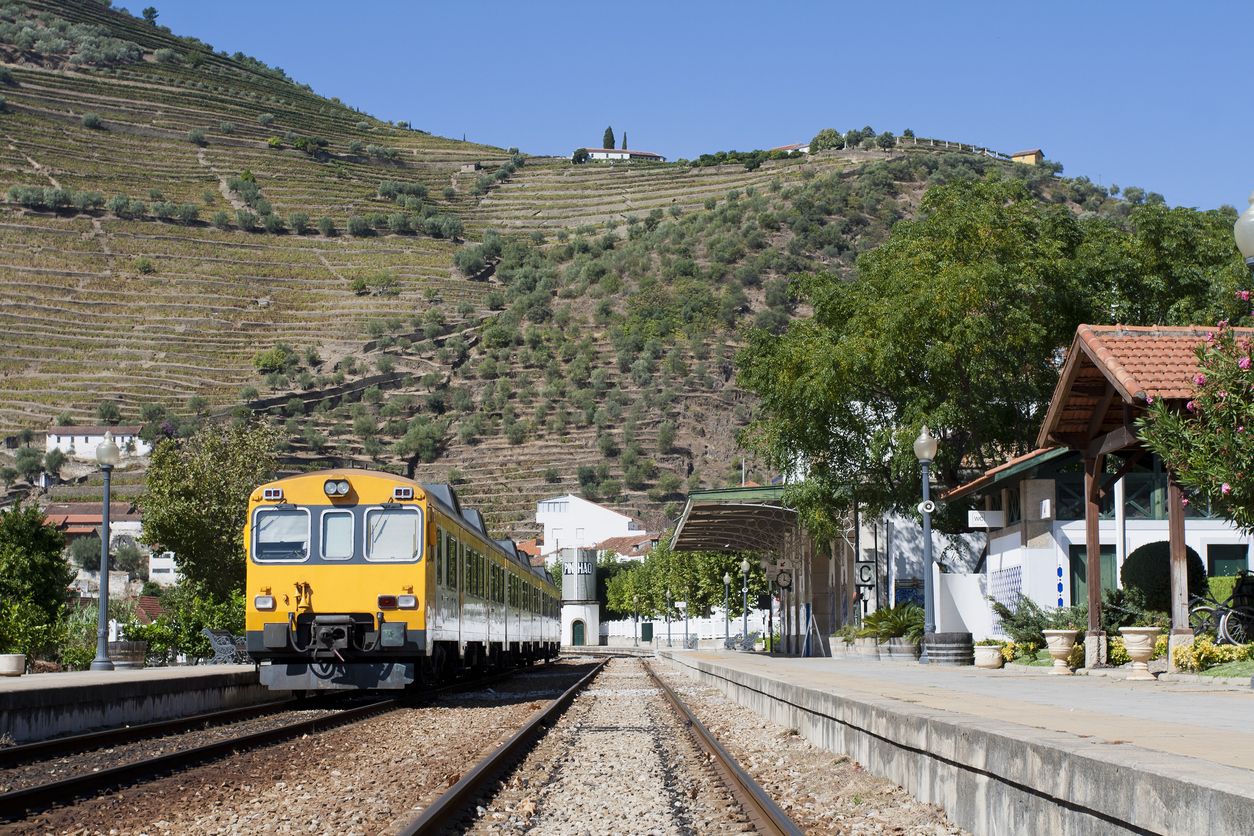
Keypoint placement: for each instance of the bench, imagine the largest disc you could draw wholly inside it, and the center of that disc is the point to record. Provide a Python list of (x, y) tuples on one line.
[(227, 649)]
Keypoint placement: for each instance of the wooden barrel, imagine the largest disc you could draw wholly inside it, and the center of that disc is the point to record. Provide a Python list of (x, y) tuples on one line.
[(950, 649), (127, 655)]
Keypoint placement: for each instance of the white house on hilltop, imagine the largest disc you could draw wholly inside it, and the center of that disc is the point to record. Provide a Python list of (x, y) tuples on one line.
[(623, 154), (571, 522), (80, 442)]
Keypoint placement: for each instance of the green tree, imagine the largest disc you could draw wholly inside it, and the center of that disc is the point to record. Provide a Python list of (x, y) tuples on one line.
[(607, 140), (29, 463), (1208, 442), (150, 14), (32, 570), (954, 322), (624, 140), (826, 138), (581, 155), (53, 461), (197, 497), (85, 552), (108, 412)]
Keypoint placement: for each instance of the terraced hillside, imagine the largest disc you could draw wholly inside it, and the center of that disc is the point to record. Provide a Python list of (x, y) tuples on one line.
[(188, 233)]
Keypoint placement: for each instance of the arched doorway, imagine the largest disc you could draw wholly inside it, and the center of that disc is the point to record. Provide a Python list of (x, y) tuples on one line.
[(576, 633)]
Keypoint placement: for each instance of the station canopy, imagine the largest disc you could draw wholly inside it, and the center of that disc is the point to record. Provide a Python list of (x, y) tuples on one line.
[(747, 519)]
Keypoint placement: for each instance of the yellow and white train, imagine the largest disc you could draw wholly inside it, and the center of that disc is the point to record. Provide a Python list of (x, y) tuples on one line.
[(363, 579)]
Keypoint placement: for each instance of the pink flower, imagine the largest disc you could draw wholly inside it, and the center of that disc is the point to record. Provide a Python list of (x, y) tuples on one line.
[(1149, 399), (1243, 295), (1244, 363), (1241, 429), (1191, 406), (1184, 500), (1210, 337), (1199, 380), (1225, 489)]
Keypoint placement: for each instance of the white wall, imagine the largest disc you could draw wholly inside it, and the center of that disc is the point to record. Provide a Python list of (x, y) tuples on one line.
[(589, 614), (162, 569), (84, 446), (572, 522)]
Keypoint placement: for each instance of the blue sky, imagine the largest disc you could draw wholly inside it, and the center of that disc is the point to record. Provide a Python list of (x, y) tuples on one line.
[(1151, 94)]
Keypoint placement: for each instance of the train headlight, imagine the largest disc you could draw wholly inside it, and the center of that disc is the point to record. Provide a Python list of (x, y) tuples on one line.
[(387, 602), (264, 602), (336, 487), (407, 602)]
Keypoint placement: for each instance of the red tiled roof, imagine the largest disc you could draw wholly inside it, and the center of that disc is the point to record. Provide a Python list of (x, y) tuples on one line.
[(990, 476), (88, 513), (1137, 361), (528, 547), (147, 608), (633, 545), (792, 147), (1028, 152)]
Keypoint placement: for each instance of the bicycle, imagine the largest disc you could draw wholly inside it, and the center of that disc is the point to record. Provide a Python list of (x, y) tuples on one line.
[(1231, 621)]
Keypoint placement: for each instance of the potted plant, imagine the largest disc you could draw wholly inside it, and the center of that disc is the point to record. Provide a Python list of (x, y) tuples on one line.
[(16, 632), (1061, 634), (896, 631), (1139, 641), (843, 639), (988, 654)]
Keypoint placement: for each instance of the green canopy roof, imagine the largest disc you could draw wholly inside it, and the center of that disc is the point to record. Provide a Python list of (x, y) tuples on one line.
[(735, 520)]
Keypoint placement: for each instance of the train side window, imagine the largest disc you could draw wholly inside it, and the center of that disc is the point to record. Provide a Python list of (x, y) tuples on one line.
[(337, 535), (281, 535)]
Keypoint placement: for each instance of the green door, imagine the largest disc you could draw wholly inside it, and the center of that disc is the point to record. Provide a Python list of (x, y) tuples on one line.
[(646, 632), (576, 634), (1080, 572)]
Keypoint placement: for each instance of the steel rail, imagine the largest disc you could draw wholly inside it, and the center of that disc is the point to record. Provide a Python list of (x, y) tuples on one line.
[(444, 812), (57, 746), (17, 803), (765, 814)]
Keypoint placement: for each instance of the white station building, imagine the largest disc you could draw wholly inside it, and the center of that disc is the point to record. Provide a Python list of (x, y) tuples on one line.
[(80, 442), (571, 522)]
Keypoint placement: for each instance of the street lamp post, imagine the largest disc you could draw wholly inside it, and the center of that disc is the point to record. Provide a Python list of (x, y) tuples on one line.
[(726, 610), (635, 621), (1243, 231), (668, 618), (744, 571), (925, 450), (107, 454)]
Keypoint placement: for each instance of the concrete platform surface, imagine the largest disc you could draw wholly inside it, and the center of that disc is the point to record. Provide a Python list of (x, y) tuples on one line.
[(1007, 749), (39, 706), (1209, 723), (86, 679)]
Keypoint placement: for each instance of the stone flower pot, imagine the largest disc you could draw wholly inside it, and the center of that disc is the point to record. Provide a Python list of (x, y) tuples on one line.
[(989, 656), (12, 664), (1060, 643), (128, 654), (867, 648), (901, 648), (1139, 642)]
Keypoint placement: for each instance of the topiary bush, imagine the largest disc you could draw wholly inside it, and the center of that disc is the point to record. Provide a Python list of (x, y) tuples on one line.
[(1148, 569)]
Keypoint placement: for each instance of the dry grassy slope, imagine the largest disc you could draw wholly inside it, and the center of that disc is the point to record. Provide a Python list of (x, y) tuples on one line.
[(82, 322)]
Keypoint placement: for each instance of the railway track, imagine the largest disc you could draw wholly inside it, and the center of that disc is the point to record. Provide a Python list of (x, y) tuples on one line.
[(456, 807), (19, 802)]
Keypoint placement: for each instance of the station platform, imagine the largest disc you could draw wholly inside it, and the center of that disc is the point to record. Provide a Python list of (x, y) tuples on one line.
[(40, 706), (1015, 750)]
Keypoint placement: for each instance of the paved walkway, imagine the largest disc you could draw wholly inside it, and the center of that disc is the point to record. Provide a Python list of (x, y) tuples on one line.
[(1208, 722), (90, 679)]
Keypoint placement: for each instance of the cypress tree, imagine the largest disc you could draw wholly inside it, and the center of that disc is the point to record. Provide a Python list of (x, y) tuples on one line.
[(624, 140), (607, 141)]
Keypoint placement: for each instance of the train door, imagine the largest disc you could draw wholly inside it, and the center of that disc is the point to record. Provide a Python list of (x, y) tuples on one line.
[(438, 610)]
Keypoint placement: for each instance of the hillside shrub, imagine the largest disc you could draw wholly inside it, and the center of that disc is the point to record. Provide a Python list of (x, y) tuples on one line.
[(226, 127), (144, 266), (3, 104), (275, 359), (299, 222), (357, 148), (1148, 569), (266, 119), (359, 226), (187, 213), (273, 224), (392, 189), (93, 121), (221, 220), (6, 77), (398, 222), (246, 219), (196, 136), (326, 226)]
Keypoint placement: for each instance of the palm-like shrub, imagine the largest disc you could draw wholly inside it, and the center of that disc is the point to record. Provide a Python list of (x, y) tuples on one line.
[(904, 621)]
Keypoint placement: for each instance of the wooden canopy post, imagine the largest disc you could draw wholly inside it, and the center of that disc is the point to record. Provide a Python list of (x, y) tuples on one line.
[(1095, 639), (1180, 632)]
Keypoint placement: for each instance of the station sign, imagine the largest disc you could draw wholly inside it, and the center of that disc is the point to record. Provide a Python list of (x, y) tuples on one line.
[(864, 573)]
